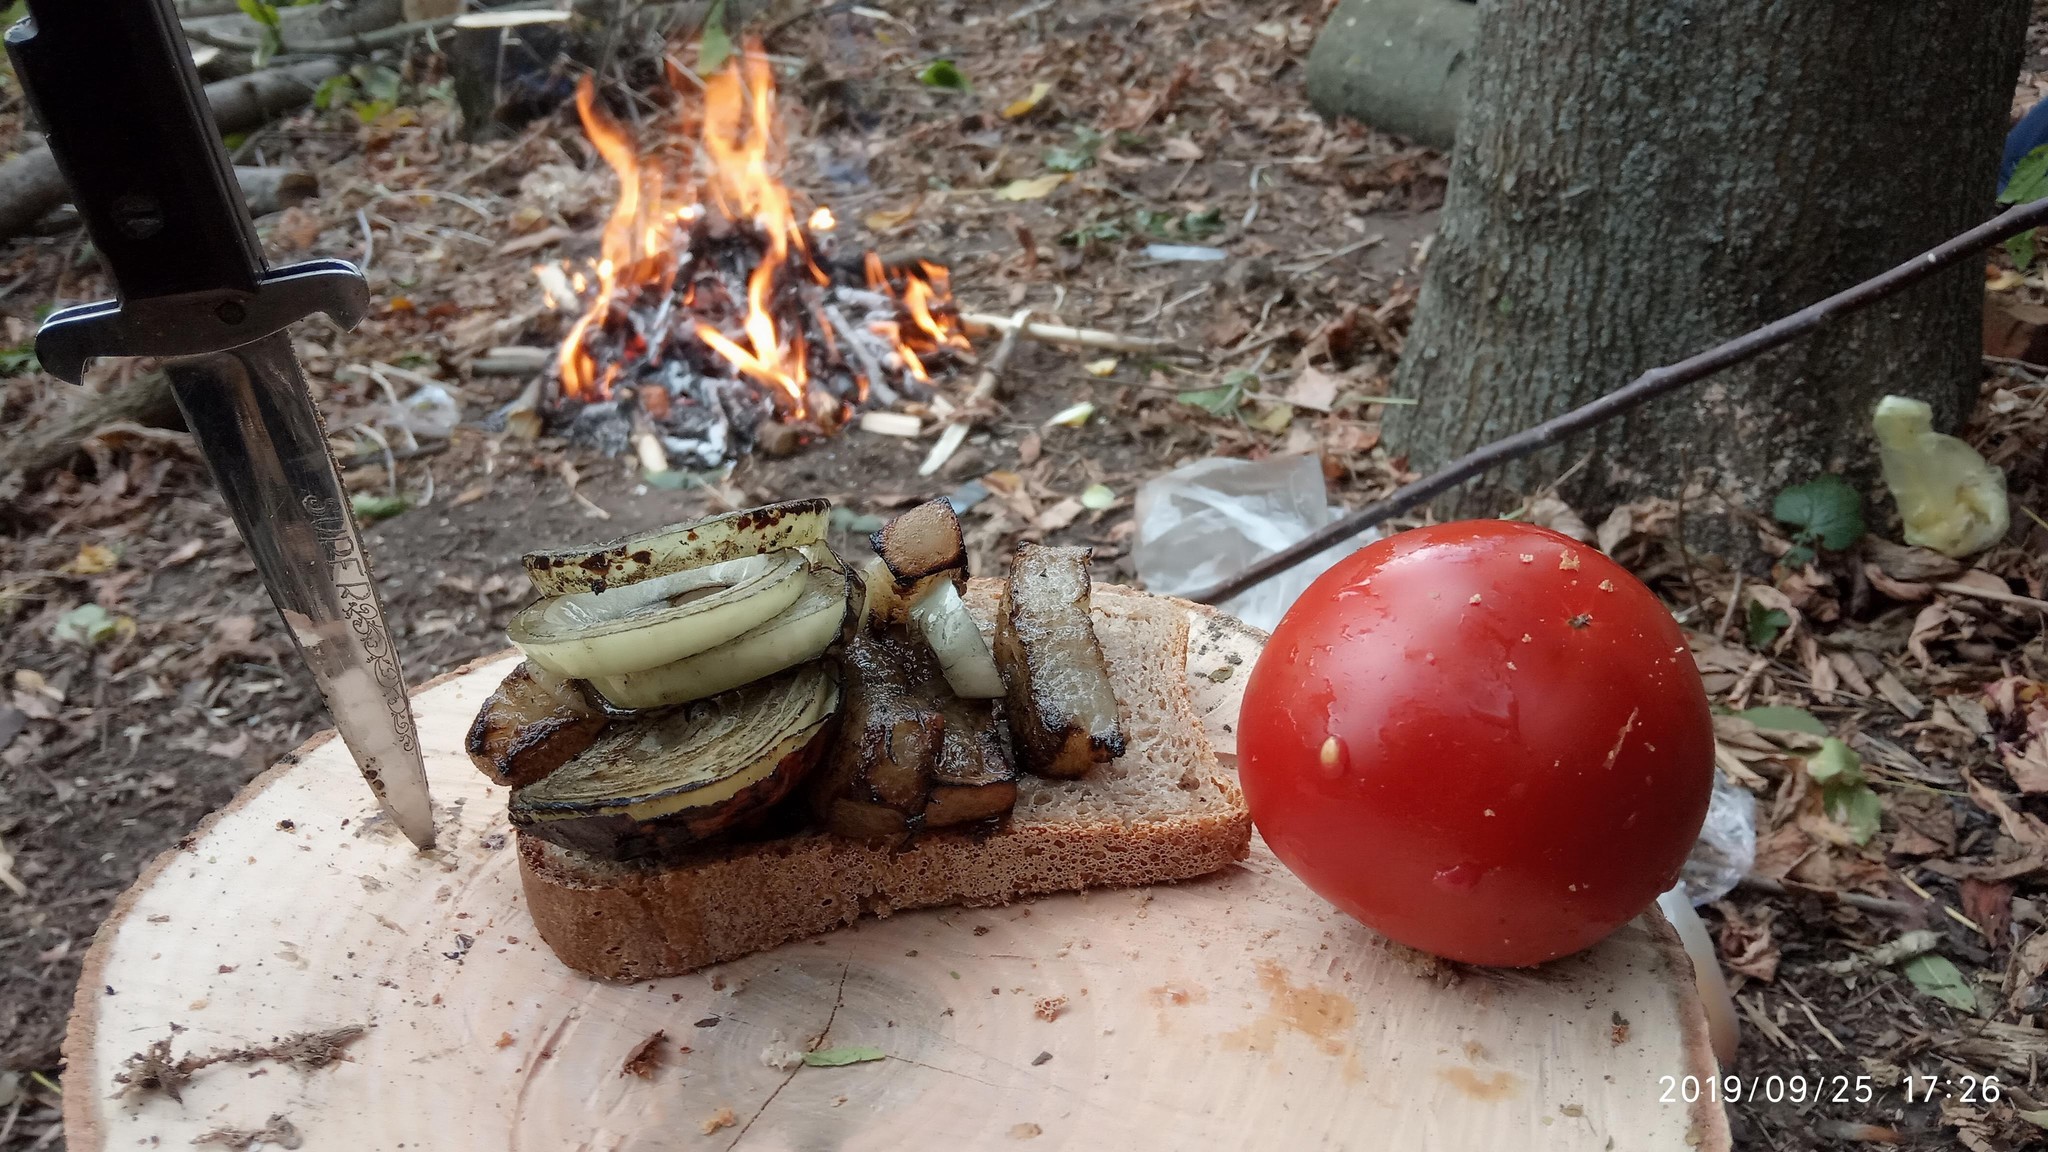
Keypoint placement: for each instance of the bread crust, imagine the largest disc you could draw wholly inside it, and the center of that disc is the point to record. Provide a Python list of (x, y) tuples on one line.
[(622, 923), (625, 922)]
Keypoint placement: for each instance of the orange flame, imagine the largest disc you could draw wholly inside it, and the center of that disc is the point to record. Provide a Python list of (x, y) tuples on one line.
[(741, 149)]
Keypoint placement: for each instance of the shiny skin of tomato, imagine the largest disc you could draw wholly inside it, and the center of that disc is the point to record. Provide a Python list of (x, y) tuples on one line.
[(1484, 739)]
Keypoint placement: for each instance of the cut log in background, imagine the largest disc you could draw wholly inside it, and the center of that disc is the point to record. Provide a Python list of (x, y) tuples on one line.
[(1234, 1011), (30, 185), (509, 67)]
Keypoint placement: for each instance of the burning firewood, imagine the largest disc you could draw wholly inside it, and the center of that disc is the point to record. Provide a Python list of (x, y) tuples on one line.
[(716, 305)]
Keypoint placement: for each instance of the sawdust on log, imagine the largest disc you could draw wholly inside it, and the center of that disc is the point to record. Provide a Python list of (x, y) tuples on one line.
[(277, 1130), (154, 1070)]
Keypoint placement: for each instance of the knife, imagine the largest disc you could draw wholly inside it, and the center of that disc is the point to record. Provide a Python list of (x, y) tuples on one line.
[(113, 84)]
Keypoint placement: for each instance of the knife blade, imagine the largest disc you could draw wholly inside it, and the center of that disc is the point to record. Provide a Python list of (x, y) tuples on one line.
[(113, 85)]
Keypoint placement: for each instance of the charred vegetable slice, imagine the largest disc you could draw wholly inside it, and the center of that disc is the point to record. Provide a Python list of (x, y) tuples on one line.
[(891, 738), (672, 778), (659, 620), (801, 633), (914, 553), (531, 725), (975, 778), (1062, 712), (922, 542), (733, 536)]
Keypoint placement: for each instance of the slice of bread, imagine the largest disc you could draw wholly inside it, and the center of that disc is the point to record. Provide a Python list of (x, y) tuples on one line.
[(1163, 811)]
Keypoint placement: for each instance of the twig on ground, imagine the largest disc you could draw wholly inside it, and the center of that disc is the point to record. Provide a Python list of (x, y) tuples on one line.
[(978, 397), (1649, 386), (1855, 900), (1075, 337), (2013, 598)]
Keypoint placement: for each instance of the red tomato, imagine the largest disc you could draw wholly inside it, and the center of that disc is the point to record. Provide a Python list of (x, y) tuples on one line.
[(1483, 739)]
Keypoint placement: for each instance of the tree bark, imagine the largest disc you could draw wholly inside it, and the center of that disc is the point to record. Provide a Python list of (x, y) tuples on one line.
[(1634, 182)]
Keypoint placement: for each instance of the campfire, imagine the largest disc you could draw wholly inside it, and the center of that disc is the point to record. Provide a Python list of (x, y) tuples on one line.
[(718, 302)]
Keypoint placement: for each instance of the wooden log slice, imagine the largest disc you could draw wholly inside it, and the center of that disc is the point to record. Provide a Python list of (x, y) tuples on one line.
[(1239, 1011)]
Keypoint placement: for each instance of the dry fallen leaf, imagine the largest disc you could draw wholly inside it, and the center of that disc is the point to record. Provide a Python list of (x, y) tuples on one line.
[(1058, 516), (1181, 148), (887, 220), (1746, 946), (1018, 109), (1036, 188), (92, 559), (1314, 388), (723, 1118), (1548, 511)]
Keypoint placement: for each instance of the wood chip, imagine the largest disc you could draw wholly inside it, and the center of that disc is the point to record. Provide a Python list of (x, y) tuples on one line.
[(891, 424)]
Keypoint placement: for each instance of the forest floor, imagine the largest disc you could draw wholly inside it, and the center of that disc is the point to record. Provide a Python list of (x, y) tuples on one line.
[(146, 677)]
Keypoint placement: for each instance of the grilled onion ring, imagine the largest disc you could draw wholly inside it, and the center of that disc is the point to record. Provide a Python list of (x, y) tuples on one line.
[(657, 621), (733, 536)]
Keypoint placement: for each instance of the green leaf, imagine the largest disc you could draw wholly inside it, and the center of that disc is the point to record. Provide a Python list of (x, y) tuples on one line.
[(943, 73), (1199, 225), (1827, 508), (1785, 720), (714, 48), (1835, 762), (1087, 141), (379, 83), (2029, 180), (1215, 401), (19, 361), (90, 625), (1764, 626), (840, 1057), (337, 89), (2020, 249), (1856, 809), (369, 506), (1936, 976), (260, 12), (1103, 230)]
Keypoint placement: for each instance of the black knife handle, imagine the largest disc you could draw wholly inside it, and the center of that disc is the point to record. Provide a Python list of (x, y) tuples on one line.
[(113, 83)]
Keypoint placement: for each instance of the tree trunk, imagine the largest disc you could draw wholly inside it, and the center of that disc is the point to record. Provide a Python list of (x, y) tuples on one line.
[(1635, 182)]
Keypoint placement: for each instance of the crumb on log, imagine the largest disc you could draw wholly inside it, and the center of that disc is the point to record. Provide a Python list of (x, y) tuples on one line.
[(645, 1060), (277, 1130)]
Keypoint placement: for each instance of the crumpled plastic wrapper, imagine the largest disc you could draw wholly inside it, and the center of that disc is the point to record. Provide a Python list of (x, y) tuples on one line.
[(1212, 519), (1727, 845), (1950, 498)]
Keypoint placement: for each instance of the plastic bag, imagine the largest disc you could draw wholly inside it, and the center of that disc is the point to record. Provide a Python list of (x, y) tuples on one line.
[(1211, 519), (1727, 845), (1951, 499)]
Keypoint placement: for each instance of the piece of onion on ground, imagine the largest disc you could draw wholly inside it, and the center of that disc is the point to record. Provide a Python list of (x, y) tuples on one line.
[(1062, 711), (532, 724), (661, 782), (943, 619), (800, 633), (678, 547), (660, 620)]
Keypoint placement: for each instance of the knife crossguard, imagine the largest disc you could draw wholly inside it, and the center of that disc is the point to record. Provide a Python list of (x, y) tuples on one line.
[(200, 322)]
